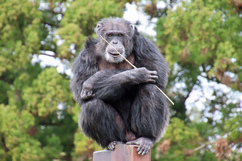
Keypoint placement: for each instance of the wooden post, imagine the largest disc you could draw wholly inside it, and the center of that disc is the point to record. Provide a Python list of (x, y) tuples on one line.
[(122, 152)]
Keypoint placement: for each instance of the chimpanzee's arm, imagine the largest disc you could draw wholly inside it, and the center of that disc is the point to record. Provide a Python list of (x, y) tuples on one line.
[(112, 84), (87, 87)]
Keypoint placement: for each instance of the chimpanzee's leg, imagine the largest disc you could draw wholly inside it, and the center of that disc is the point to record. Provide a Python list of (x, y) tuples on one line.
[(150, 116), (101, 122)]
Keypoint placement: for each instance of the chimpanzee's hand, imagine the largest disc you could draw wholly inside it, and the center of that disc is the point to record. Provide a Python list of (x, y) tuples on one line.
[(87, 92), (143, 75)]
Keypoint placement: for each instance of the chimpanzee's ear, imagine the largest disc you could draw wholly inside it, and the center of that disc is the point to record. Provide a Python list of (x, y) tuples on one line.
[(98, 28), (136, 32), (132, 26)]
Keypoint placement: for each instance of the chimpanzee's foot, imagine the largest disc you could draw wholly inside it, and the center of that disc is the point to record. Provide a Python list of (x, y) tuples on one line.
[(111, 146), (145, 144)]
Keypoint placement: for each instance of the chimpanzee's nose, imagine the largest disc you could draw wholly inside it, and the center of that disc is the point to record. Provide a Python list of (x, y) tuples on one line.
[(115, 42)]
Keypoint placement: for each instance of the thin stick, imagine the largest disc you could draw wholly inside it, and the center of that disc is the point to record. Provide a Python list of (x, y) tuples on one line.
[(136, 67)]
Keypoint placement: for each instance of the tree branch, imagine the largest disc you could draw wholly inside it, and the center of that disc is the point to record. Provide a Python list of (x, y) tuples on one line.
[(43, 53)]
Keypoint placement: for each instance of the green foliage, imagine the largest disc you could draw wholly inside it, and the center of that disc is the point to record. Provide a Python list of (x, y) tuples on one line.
[(84, 146), (20, 30), (14, 131), (203, 33), (80, 19), (202, 39), (45, 99), (233, 127), (38, 116), (179, 133)]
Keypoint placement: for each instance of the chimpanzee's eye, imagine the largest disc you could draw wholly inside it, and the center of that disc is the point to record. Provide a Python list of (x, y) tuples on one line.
[(109, 35), (120, 35)]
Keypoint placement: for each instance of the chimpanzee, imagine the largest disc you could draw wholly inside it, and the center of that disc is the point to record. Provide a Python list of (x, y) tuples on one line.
[(121, 104)]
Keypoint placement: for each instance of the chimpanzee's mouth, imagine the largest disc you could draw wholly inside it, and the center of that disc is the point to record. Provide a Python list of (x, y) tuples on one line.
[(114, 54)]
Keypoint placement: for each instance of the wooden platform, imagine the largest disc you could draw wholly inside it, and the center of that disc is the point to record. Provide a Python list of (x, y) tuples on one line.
[(122, 152)]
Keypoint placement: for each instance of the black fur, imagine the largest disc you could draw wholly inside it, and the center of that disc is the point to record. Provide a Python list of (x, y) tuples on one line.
[(121, 94)]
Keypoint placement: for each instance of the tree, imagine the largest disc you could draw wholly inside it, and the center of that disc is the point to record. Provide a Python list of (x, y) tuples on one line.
[(201, 41), (38, 116)]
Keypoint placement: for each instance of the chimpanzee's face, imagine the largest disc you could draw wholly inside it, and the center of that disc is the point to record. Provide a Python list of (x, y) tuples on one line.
[(119, 35)]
